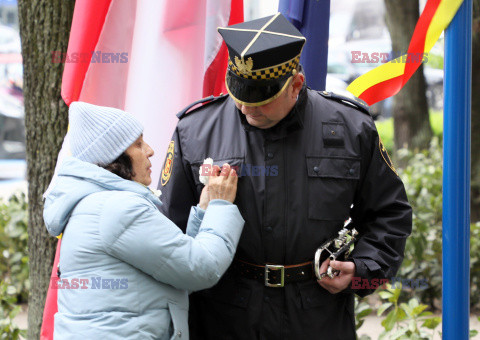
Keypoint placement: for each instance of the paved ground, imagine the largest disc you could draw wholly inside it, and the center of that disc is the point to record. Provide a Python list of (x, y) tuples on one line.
[(371, 327)]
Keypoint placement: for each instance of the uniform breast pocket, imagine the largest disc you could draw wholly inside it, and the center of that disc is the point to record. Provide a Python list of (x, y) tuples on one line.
[(331, 186), (198, 168)]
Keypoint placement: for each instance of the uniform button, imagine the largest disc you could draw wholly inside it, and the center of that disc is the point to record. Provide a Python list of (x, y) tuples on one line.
[(266, 299), (179, 334), (351, 171), (268, 229), (316, 169), (270, 155)]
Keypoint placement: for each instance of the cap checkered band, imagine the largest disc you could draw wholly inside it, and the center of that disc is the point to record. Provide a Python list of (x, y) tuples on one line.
[(267, 73)]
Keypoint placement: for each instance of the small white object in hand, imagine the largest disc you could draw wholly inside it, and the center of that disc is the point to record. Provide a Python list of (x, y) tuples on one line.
[(205, 170), (156, 192)]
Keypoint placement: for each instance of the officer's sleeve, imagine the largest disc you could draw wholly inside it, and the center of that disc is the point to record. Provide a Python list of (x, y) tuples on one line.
[(382, 215), (177, 184)]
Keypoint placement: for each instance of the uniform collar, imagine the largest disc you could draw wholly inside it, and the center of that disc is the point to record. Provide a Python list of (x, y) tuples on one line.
[(293, 121)]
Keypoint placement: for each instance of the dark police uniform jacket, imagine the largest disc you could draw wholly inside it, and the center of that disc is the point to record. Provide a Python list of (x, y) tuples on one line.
[(300, 180)]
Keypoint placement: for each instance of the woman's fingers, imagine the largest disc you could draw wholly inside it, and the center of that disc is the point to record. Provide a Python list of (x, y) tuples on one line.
[(233, 178), (215, 170), (225, 170), (223, 184)]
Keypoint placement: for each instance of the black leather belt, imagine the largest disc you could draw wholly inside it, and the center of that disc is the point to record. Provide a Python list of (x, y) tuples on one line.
[(274, 275)]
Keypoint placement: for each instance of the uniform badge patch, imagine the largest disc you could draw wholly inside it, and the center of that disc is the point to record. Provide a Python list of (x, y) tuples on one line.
[(385, 156), (168, 165)]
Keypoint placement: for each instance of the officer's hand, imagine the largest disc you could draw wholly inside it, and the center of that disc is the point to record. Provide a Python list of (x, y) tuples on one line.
[(223, 183), (340, 282)]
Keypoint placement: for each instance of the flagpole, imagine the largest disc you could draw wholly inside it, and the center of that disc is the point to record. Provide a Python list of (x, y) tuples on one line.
[(456, 175)]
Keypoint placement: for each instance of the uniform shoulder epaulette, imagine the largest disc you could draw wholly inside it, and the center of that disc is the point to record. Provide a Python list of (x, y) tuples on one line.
[(208, 100), (346, 101)]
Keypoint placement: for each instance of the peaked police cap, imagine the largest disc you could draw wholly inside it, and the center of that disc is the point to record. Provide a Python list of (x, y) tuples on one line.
[(263, 57)]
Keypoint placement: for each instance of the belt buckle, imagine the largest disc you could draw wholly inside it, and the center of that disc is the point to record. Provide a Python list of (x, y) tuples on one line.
[(269, 267)]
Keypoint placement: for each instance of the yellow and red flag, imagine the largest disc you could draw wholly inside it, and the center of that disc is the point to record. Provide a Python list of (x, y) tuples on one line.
[(388, 79)]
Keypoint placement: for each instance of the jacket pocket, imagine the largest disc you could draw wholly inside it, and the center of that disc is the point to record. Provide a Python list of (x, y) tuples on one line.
[(196, 167), (313, 295), (229, 291), (179, 321), (333, 134), (331, 186)]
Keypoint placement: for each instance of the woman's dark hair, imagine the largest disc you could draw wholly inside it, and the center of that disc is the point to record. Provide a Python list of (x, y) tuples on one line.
[(122, 166)]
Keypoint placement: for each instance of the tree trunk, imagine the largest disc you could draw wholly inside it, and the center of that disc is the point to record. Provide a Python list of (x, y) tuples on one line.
[(44, 28), (475, 178), (410, 114)]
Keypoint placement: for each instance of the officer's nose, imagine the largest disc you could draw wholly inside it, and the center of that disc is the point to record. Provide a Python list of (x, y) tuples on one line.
[(248, 110)]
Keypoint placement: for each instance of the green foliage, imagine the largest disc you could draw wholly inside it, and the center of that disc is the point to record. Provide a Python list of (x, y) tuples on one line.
[(8, 311), (423, 252), (385, 129), (436, 122), (435, 61), (362, 310), (14, 284), (13, 246), (405, 320), (475, 266)]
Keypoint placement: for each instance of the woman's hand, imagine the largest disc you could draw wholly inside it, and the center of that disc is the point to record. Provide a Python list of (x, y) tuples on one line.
[(204, 198), (222, 184)]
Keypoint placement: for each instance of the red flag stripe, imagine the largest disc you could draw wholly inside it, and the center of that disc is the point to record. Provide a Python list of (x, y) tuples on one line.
[(417, 43), (382, 90), (51, 306), (86, 27), (214, 80), (435, 17)]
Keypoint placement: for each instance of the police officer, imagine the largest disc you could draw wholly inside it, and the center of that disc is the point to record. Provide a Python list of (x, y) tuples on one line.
[(307, 161)]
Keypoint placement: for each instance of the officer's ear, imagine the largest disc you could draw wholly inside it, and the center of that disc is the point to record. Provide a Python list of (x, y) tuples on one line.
[(297, 83)]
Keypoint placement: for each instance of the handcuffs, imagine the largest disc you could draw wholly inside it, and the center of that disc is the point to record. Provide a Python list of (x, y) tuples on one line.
[(337, 248)]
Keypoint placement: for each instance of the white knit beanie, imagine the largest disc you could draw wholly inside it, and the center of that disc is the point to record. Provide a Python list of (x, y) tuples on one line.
[(99, 134)]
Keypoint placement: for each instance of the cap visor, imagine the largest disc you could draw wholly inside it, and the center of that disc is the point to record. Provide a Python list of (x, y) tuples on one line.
[(251, 92)]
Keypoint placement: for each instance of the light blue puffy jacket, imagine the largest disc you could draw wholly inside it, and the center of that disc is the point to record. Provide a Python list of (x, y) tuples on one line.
[(126, 268)]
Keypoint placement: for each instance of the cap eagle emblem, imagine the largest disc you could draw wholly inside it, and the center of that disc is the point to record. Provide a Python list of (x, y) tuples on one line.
[(243, 66)]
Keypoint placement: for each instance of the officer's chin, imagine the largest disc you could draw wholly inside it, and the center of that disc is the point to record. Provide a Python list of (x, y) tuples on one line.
[(258, 122)]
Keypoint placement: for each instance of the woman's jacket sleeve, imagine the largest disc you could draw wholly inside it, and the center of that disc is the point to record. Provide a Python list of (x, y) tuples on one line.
[(133, 230)]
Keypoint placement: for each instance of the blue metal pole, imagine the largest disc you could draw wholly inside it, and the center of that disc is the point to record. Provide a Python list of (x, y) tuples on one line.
[(456, 174)]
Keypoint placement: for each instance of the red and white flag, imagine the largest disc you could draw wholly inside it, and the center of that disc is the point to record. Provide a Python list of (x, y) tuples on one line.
[(148, 57)]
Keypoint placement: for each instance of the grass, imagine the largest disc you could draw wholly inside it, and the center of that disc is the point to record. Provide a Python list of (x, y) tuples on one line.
[(385, 128)]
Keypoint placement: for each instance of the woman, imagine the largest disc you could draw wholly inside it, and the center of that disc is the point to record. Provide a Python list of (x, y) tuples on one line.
[(125, 268)]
